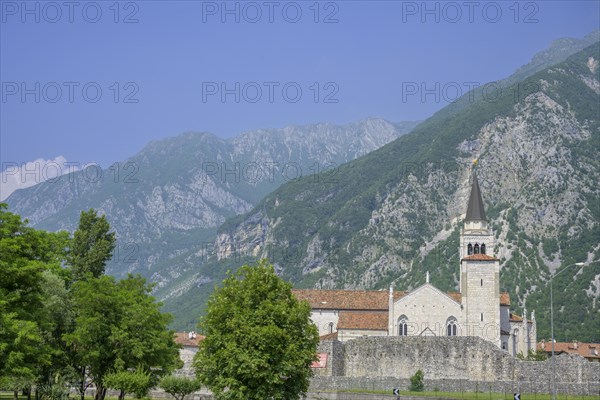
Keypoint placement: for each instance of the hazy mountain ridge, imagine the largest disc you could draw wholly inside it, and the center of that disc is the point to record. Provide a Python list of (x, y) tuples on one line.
[(173, 194), (558, 51), (395, 213)]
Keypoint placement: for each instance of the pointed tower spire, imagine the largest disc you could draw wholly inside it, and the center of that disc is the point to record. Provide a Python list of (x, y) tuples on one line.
[(475, 209)]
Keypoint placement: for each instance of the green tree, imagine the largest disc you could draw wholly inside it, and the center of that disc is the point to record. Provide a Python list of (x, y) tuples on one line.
[(416, 382), (136, 382), (57, 320), (119, 326), (179, 386), (28, 255), (260, 342), (92, 246), (22, 351)]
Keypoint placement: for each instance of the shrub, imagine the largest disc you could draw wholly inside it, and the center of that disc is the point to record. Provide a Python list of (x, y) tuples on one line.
[(137, 383), (179, 387), (55, 391), (416, 382)]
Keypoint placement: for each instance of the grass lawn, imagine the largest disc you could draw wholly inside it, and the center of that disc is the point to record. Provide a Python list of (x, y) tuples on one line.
[(452, 395), (480, 395), (4, 395)]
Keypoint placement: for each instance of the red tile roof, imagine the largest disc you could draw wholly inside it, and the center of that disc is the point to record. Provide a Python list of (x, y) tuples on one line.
[(363, 320), (479, 257), (346, 299), (183, 339), (457, 297), (399, 295), (504, 299), (517, 318), (587, 350), (329, 336)]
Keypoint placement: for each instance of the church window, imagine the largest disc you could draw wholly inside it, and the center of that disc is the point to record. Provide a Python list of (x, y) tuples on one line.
[(469, 249), (331, 327), (476, 248), (451, 326), (482, 282), (403, 326), (504, 346), (483, 249), (481, 317)]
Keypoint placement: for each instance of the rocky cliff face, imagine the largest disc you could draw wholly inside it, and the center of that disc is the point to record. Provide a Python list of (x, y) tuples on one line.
[(392, 215)]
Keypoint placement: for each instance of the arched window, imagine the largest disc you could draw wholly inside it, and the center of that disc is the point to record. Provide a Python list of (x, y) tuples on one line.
[(451, 326), (331, 327), (403, 326), (476, 249), (482, 248), (469, 249)]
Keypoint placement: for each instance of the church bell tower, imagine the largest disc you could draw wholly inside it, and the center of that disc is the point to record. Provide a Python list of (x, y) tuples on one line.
[(479, 272)]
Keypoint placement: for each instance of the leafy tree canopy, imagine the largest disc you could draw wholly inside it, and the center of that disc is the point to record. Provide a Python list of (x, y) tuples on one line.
[(119, 326), (53, 327), (27, 254), (260, 342)]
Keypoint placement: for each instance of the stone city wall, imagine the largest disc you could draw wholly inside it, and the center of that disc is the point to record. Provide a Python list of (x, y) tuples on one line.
[(449, 364)]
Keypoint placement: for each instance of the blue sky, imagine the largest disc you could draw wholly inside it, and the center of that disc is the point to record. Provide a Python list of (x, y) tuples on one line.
[(161, 66)]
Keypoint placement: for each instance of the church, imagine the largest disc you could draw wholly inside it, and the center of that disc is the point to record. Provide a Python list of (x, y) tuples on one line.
[(478, 309)]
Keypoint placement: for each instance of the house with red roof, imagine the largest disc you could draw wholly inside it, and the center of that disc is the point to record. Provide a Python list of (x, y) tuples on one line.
[(589, 351)]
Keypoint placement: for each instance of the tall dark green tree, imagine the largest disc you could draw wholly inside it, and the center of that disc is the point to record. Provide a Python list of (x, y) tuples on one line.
[(92, 246), (260, 342)]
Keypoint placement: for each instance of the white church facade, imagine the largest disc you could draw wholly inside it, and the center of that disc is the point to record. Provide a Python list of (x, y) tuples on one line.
[(478, 309)]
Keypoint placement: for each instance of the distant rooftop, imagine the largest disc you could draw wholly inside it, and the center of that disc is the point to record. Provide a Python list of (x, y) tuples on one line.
[(185, 339)]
